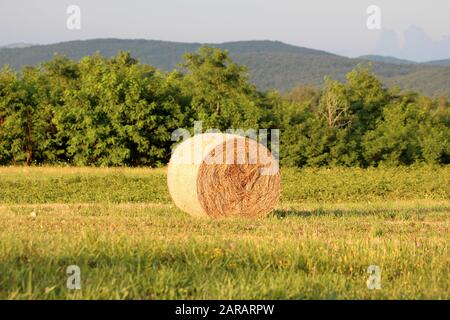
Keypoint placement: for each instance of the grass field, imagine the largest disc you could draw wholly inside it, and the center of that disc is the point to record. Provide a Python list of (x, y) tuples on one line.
[(130, 242)]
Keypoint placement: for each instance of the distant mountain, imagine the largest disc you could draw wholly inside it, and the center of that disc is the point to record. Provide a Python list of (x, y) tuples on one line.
[(394, 60), (161, 54), (386, 59), (435, 81), (271, 64), (445, 62), (17, 45)]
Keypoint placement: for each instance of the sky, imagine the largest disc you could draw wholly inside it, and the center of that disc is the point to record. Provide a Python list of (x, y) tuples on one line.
[(411, 29)]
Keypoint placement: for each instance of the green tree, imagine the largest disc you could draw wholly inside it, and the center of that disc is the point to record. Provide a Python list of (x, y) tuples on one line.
[(222, 96), (122, 113), (25, 117), (407, 133)]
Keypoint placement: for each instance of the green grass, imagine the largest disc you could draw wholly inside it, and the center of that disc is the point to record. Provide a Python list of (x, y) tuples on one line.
[(121, 228)]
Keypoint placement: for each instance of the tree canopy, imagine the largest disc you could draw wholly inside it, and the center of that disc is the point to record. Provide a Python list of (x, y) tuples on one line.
[(119, 112)]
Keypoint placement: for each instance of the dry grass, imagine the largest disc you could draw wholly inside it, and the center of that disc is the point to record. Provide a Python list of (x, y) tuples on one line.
[(312, 249)]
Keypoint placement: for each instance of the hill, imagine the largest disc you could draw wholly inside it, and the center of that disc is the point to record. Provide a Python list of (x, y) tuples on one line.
[(394, 60), (435, 81), (386, 59), (161, 54), (17, 45), (445, 62), (272, 64)]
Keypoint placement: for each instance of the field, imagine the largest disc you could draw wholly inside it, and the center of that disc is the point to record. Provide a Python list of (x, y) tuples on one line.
[(130, 242)]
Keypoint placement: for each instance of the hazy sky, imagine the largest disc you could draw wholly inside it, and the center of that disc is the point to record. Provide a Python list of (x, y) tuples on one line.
[(414, 29)]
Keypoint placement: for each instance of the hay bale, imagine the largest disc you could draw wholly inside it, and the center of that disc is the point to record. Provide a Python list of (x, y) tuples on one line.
[(218, 175)]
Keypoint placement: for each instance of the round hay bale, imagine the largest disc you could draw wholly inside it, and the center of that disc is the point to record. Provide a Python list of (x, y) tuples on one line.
[(222, 175)]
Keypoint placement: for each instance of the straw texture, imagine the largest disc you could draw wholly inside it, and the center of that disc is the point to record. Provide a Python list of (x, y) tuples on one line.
[(222, 175)]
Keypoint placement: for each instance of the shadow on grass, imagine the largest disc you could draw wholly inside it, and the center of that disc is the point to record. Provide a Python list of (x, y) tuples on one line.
[(382, 212), (283, 213)]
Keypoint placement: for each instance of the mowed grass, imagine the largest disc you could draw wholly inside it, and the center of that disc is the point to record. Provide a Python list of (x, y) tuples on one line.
[(130, 242)]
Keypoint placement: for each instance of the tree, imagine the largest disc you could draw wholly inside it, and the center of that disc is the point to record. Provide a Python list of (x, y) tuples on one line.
[(407, 133), (222, 96), (302, 94), (367, 97), (122, 113), (24, 113), (119, 112), (334, 106)]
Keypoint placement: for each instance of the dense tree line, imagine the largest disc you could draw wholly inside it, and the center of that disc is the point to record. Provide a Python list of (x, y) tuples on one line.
[(119, 112)]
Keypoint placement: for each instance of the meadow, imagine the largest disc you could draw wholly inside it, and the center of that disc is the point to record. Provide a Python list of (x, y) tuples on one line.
[(130, 241)]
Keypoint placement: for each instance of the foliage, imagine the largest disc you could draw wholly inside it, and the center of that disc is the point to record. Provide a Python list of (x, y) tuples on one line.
[(95, 112), (360, 123), (222, 96), (119, 112)]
